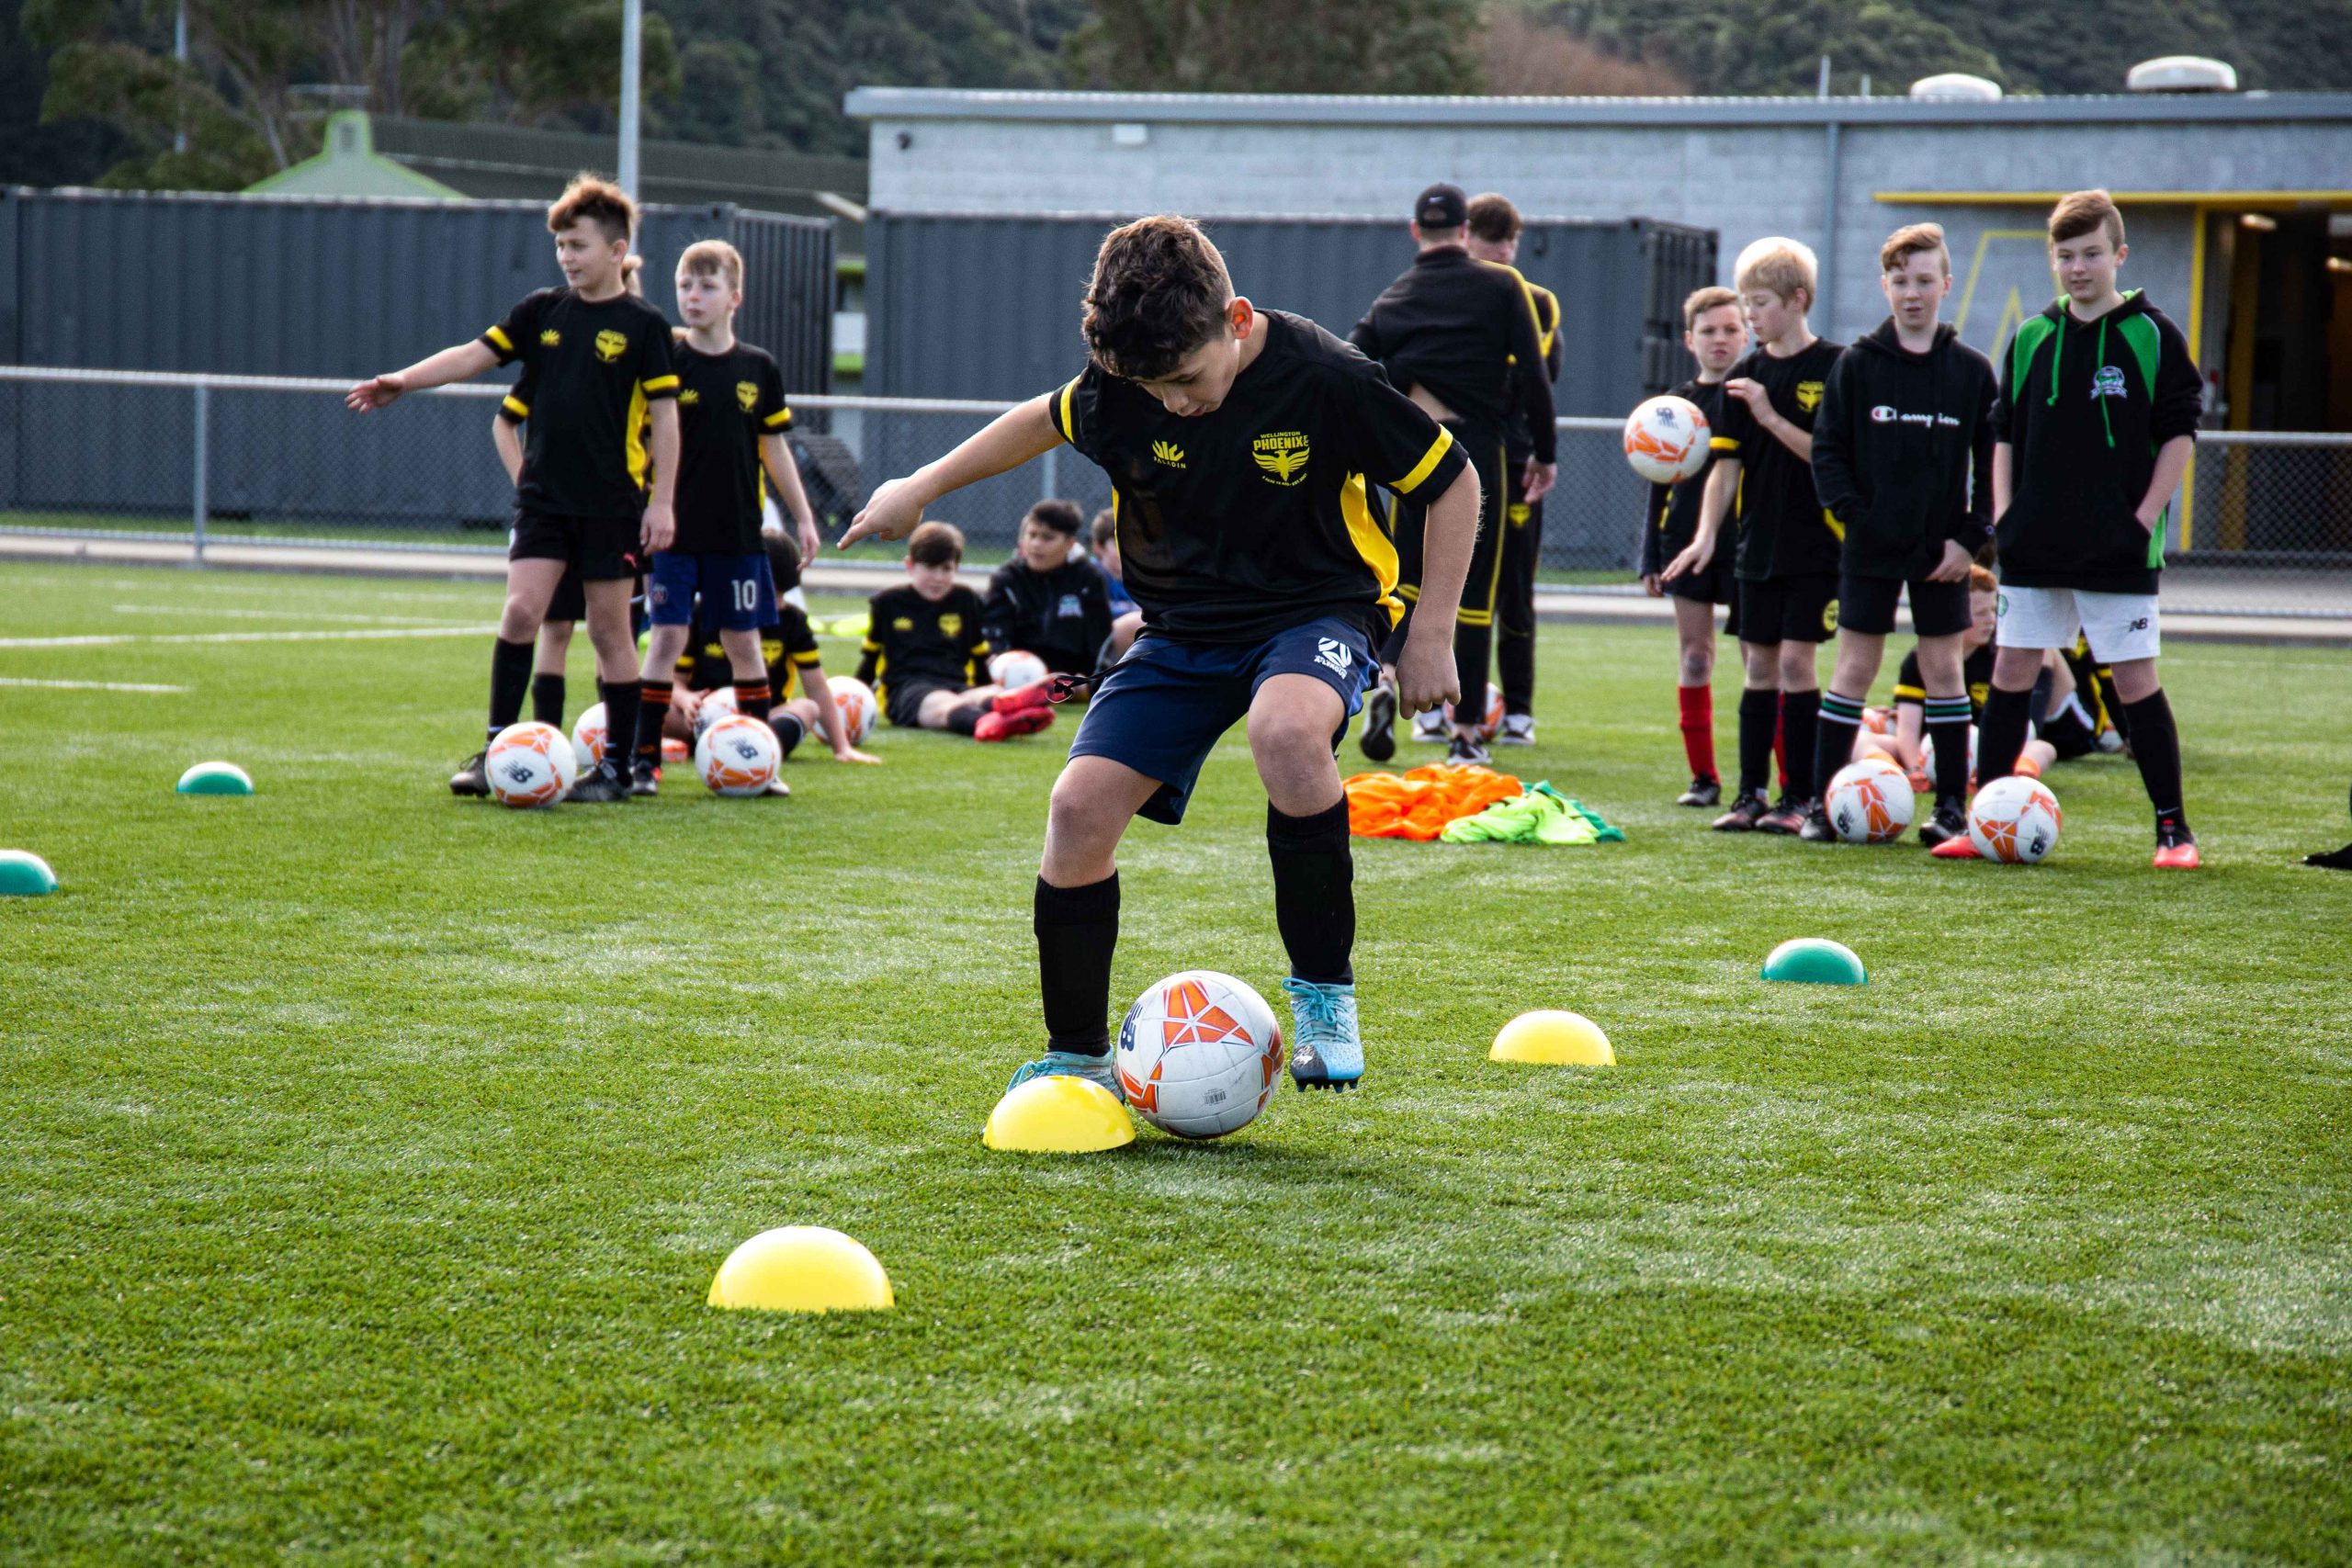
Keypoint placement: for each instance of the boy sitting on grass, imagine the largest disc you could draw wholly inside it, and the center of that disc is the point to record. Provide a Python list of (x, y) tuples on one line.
[(1048, 600), (926, 657)]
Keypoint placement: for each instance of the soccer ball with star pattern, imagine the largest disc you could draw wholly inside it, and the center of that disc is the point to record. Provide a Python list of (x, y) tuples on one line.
[(1199, 1055)]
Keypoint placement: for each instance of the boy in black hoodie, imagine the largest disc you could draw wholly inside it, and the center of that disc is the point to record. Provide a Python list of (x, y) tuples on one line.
[(1902, 459), (1048, 600), (2096, 420)]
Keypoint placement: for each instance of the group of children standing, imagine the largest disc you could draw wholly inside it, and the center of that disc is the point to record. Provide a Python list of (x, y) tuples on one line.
[(1894, 469)]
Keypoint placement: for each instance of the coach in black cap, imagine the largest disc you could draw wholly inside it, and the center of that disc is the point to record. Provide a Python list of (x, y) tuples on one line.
[(1459, 337)]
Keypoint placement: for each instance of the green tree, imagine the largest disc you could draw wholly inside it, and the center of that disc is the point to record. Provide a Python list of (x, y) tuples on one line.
[(1316, 46)]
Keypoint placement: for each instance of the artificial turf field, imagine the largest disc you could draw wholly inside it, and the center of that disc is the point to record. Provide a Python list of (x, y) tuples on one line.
[(365, 1154)]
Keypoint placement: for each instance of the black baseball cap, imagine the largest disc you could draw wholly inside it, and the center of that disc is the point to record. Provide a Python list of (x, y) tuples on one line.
[(1441, 206)]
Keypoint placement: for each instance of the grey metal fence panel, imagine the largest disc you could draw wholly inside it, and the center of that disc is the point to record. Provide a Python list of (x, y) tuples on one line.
[(987, 306), (272, 285)]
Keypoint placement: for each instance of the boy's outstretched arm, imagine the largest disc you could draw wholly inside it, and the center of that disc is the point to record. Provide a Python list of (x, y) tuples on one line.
[(775, 456), (1426, 674), (459, 362), (1009, 440), (829, 716)]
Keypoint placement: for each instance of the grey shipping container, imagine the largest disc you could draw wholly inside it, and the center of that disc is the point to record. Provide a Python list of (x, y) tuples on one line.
[(986, 306), (300, 287)]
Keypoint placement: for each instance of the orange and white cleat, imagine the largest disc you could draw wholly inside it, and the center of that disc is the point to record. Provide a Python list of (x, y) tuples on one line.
[(2176, 847)]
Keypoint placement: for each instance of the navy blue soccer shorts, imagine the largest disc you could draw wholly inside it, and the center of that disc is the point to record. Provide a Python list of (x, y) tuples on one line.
[(1162, 709), (738, 592)]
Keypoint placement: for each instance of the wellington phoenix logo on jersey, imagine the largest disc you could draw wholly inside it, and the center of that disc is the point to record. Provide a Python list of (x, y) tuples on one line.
[(747, 395), (611, 345), (1808, 395), (549, 338), (1169, 453), (951, 624), (1281, 454)]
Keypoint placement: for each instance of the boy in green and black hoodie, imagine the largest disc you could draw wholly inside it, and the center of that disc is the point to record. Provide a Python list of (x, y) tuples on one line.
[(2096, 420)]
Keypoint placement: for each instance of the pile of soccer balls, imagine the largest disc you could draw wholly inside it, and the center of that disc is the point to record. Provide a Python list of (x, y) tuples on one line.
[(532, 765), (2014, 820)]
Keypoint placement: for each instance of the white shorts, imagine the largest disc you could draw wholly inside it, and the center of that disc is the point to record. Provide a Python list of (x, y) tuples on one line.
[(2120, 626)]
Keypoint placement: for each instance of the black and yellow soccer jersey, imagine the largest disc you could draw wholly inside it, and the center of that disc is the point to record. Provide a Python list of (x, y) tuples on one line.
[(908, 637), (1519, 444), (1674, 509), (592, 368), (1252, 518), (786, 648), (726, 402), (1977, 673), (1783, 531), (1465, 330)]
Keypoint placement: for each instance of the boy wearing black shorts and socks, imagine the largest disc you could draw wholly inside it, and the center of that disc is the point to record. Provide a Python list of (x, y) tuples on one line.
[(1240, 442), (1714, 329), (600, 361), (926, 656), (1903, 459), (1787, 564)]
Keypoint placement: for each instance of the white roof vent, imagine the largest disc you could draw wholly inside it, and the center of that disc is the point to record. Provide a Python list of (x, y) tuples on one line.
[(1957, 85), (2183, 74)]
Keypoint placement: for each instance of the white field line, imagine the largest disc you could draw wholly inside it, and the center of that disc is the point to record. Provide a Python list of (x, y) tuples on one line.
[(94, 685), (214, 610), (368, 634)]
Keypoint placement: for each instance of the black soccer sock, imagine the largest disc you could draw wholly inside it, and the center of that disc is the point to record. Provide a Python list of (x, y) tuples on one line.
[(2155, 746), (1315, 892), (1833, 741), (510, 677), (2002, 735), (754, 699), (546, 699), (1472, 646), (652, 709), (788, 731), (1947, 725), (1515, 666), (1759, 720), (1800, 717), (1078, 929), (620, 718), (964, 720)]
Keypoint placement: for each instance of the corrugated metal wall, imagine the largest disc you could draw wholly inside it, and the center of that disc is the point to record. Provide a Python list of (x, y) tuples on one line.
[(987, 307), (266, 287), (299, 286)]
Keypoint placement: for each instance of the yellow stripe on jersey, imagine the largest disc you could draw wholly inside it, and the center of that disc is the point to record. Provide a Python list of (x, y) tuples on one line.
[(1544, 340), (1427, 465), (638, 461), (1061, 413), (1830, 521), (1910, 693), (660, 384), (498, 335), (779, 419), (1372, 542), (1722, 444), (807, 660), (515, 406)]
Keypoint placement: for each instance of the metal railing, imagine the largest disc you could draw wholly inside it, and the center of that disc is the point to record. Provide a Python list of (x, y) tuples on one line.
[(2264, 526)]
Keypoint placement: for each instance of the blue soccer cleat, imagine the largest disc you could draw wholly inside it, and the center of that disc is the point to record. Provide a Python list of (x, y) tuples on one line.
[(1069, 1065), (1326, 1051)]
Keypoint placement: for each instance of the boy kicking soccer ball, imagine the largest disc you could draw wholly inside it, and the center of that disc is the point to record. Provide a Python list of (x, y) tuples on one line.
[(2097, 417), (1240, 442), (600, 359)]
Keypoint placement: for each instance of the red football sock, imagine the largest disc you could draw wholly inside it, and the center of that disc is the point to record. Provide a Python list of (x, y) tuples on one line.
[(1699, 728)]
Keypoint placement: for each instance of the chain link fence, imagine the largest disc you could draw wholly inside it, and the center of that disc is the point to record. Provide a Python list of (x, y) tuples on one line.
[(2264, 527)]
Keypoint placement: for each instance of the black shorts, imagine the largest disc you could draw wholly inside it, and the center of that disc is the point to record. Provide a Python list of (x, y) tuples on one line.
[(903, 706), (1799, 608), (571, 601), (1715, 585), (1866, 604), (598, 549)]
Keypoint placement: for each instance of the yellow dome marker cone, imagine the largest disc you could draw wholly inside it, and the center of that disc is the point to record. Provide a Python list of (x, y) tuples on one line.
[(802, 1268), (1554, 1039), (1058, 1115)]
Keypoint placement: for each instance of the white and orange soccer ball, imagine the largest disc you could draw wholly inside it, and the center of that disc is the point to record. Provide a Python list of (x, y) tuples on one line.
[(530, 765), (1490, 723), (1016, 669), (2015, 820), (714, 705), (738, 755), (1870, 802), (1199, 1055), (588, 737), (1666, 439), (860, 712)]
